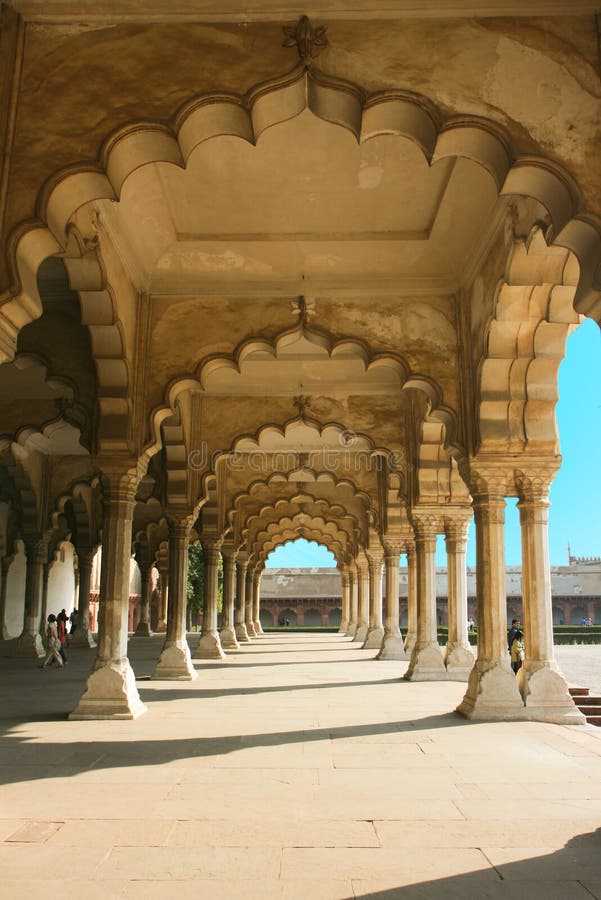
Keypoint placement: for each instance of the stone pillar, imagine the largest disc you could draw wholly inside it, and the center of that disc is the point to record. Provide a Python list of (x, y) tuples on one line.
[(411, 636), (228, 631), (29, 642), (249, 603), (392, 644), (375, 632), (459, 656), (354, 600), (44, 610), (143, 629), (426, 662), (363, 598), (345, 584), (257, 601), (175, 662), (111, 691), (492, 691), (6, 561), (209, 646), (163, 567), (240, 610), (542, 685), (83, 636)]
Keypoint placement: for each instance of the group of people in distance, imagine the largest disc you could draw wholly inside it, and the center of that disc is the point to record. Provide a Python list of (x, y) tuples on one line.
[(56, 637)]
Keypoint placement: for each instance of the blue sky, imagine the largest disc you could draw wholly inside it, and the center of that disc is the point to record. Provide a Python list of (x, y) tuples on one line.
[(575, 514)]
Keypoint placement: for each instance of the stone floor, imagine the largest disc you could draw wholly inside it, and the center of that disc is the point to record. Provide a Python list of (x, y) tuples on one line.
[(297, 768)]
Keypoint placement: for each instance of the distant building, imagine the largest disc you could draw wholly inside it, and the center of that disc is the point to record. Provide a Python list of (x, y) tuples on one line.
[(313, 596)]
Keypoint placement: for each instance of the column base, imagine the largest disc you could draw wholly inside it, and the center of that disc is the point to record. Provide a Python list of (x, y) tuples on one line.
[(250, 630), (258, 628), (82, 638), (143, 630), (547, 698), (209, 647), (352, 630), (410, 642), (361, 633), (492, 693), (175, 664), (227, 636), (161, 627), (426, 663), (459, 660), (392, 647), (343, 628), (241, 633), (373, 638), (4, 634), (111, 693), (29, 646)]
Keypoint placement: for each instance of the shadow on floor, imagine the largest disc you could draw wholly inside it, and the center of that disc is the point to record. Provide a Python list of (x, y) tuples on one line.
[(24, 760), (571, 873)]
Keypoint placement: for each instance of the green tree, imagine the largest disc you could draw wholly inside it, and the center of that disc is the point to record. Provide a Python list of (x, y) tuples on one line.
[(196, 578), (196, 581)]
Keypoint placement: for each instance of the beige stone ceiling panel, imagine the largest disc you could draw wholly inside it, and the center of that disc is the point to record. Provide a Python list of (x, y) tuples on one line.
[(307, 205)]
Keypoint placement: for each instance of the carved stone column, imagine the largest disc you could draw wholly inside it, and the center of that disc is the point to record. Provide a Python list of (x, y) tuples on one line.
[(375, 632), (250, 593), (345, 584), (111, 691), (363, 592), (228, 632), (240, 610), (83, 636), (143, 629), (392, 644), (353, 599), (411, 636), (426, 662), (542, 685), (492, 691), (163, 567), (209, 646), (175, 662), (29, 642), (459, 656), (257, 601), (6, 561), (44, 611)]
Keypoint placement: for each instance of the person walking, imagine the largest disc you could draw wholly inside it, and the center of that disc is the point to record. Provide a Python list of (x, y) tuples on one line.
[(53, 643), (61, 627), (74, 620), (515, 626), (518, 652)]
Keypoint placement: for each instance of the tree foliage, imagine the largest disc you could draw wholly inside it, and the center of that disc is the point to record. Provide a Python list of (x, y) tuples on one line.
[(196, 579)]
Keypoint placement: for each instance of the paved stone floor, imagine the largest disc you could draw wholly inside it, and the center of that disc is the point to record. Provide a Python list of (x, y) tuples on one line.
[(297, 768)]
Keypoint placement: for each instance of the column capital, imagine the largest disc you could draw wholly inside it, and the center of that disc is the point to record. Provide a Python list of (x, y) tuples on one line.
[(456, 526), (426, 525), (362, 565), (533, 484), (229, 554), (36, 548), (345, 578), (393, 546), (179, 529)]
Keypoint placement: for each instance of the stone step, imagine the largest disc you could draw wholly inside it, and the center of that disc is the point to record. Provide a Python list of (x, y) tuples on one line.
[(578, 691), (587, 701), (594, 720), (589, 711)]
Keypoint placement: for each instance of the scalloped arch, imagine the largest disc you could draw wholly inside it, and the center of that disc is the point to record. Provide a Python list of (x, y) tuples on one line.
[(408, 116)]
